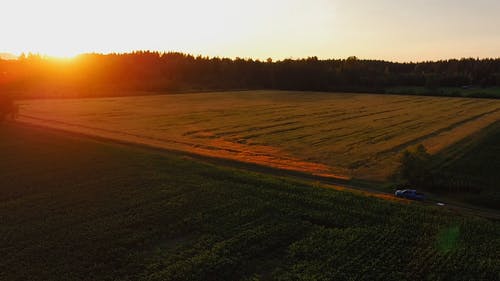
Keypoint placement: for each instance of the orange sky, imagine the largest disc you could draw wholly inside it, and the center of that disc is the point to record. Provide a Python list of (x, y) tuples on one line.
[(400, 30)]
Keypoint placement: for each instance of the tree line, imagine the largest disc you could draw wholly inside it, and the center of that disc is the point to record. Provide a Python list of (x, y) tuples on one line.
[(96, 74)]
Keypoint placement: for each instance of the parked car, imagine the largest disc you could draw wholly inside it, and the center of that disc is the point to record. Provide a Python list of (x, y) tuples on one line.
[(411, 194)]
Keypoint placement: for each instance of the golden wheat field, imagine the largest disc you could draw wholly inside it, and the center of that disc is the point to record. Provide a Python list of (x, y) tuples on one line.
[(330, 134)]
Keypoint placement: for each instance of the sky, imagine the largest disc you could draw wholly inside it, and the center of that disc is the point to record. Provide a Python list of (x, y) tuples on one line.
[(396, 30)]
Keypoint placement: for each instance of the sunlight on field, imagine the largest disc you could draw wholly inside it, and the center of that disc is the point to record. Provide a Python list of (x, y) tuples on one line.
[(336, 135)]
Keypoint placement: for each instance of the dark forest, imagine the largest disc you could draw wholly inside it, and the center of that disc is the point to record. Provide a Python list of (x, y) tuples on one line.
[(122, 74)]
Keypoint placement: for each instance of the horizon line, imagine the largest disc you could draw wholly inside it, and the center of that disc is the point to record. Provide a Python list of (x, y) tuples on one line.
[(13, 56)]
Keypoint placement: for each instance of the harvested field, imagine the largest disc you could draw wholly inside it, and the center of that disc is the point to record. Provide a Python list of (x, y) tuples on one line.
[(331, 134)]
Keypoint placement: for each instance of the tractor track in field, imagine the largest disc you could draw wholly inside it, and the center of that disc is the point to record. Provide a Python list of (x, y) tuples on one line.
[(324, 181)]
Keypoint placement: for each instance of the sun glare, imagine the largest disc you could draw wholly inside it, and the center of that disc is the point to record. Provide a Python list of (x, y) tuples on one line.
[(259, 29), (64, 54), (59, 54)]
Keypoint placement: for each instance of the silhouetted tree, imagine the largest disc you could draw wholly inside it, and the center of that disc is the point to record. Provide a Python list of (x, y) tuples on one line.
[(415, 167)]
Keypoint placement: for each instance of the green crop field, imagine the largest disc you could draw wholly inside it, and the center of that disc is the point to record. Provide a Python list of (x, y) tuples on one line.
[(337, 135), (79, 209)]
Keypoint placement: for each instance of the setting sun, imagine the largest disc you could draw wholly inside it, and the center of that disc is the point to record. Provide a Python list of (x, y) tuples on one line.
[(62, 53), (393, 30)]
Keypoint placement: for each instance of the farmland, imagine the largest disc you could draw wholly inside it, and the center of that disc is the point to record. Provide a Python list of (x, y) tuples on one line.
[(477, 92), (334, 135), (74, 208), (473, 162)]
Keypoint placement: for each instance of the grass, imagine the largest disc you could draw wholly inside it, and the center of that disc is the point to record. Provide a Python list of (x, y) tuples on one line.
[(472, 92), (332, 134), (474, 161), (81, 209)]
